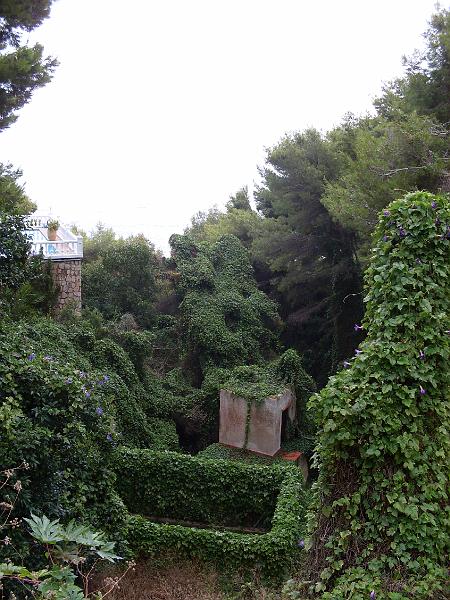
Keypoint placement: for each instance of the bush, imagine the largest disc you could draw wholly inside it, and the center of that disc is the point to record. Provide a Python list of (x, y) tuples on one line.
[(50, 419)]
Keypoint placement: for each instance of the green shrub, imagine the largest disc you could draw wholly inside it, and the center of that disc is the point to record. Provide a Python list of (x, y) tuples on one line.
[(230, 492), (50, 418), (63, 416), (381, 519)]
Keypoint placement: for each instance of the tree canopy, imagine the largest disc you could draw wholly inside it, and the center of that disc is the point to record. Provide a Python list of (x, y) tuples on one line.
[(22, 68)]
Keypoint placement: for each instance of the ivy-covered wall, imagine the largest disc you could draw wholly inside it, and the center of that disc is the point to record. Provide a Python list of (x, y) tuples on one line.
[(216, 492), (219, 492)]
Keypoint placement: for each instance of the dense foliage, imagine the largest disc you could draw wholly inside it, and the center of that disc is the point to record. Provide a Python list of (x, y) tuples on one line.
[(226, 320), (119, 276), (94, 410), (68, 552), (217, 492), (381, 504), (67, 400), (14, 250)]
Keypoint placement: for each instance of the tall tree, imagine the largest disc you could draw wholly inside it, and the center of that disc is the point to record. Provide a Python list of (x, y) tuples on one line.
[(311, 256), (425, 87), (381, 158), (13, 200), (22, 68), (404, 147), (118, 276)]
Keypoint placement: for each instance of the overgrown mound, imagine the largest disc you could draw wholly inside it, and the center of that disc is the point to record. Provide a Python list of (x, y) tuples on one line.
[(381, 519), (227, 320), (66, 400)]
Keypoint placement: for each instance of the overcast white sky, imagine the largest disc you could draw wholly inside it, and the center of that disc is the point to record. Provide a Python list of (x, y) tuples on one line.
[(163, 108)]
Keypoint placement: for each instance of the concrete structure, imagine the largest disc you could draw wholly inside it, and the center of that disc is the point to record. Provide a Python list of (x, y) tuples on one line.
[(65, 254), (254, 426)]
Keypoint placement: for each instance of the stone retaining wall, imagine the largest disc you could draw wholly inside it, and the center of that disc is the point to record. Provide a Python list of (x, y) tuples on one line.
[(67, 278)]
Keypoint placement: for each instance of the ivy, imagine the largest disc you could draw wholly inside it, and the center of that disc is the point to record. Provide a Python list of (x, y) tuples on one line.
[(380, 519), (218, 493), (226, 321)]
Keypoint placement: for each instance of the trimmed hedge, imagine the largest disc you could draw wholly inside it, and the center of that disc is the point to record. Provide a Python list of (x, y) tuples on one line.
[(216, 492)]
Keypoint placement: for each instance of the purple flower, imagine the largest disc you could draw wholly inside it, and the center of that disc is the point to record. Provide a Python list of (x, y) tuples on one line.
[(372, 595), (447, 331), (358, 351), (437, 222), (401, 232), (99, 410), (385, 238), (109, 437), (31, 356), (433, 204), (301, 543), (82, 374), (106, 378), (68, 381), (422, 355), (357, 327), (422, 391), (87, 394), (47, 357), (386, 213), (418, 261), (346, 364)]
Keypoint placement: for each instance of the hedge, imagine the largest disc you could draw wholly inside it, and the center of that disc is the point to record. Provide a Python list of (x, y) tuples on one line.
[(215, 492)]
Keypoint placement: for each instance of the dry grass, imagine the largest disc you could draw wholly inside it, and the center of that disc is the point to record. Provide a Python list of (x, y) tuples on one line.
[(180, 580), (186, 581)]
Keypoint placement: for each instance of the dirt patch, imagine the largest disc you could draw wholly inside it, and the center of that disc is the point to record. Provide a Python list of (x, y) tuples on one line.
[(170, 578), (151, 581)]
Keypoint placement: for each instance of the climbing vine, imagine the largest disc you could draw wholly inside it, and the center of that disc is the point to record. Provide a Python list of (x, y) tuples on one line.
[(226, 320), (380, 524)]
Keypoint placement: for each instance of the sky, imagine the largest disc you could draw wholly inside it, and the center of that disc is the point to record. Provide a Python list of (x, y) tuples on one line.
[(162, 108)]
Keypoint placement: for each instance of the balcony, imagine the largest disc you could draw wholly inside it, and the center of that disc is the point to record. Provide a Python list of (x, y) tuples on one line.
[(66, 246)]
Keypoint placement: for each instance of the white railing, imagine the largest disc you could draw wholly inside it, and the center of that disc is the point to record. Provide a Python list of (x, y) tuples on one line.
[(66, 246), (59, 248)]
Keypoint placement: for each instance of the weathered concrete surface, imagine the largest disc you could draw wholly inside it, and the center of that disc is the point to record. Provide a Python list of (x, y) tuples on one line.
[(264, 435), (299, 459), (265, 422), (233, 418)]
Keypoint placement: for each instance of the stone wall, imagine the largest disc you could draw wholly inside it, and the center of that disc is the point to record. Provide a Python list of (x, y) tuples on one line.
[(67, 278)]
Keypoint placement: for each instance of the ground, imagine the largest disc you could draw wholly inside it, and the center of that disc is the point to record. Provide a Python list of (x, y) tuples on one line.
[(174, 579)]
